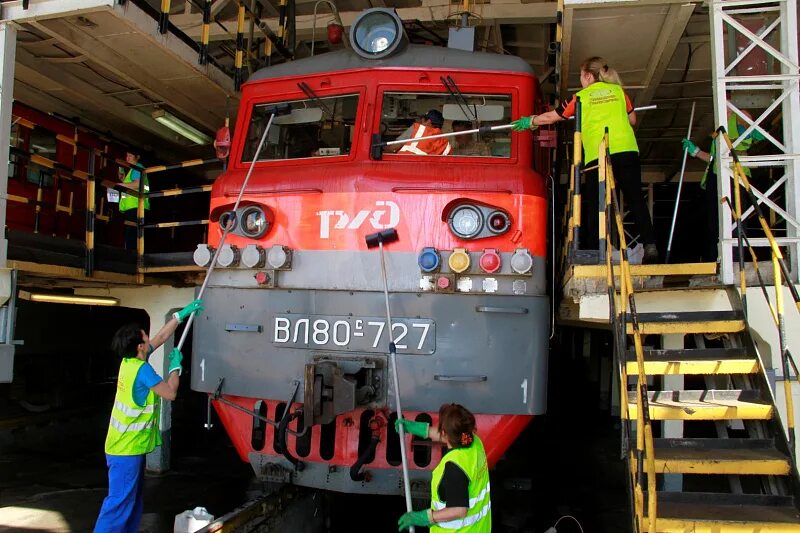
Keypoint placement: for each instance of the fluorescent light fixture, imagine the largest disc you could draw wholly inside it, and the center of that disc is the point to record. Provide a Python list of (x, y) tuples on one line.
[(180, 127), (68, 299)]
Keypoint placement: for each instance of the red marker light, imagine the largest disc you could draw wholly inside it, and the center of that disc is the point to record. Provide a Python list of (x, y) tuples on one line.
[(262, 278), (499, 222), (490, 261), (442, 282)]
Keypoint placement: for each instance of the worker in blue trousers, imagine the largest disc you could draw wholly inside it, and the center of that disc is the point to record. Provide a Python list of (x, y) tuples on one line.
[(133, 430)]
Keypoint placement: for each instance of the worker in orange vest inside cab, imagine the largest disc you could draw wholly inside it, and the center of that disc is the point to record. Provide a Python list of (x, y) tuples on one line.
[(430, 124)]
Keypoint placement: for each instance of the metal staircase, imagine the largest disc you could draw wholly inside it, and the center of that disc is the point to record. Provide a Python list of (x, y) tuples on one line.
[(739, 465)]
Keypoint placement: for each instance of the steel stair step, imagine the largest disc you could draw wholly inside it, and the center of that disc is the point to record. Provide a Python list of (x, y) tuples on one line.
[(720, 456), (703, 405), (704, 512), (694, 361), (665, 323)]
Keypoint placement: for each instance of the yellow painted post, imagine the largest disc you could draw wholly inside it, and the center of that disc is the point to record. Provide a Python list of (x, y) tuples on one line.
[(140, 229), (203, 58), (163, 17), (90, 218), (239, 74)]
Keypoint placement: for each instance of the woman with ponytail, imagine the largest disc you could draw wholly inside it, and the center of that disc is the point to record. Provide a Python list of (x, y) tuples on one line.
[(460, 499), (604, 104)]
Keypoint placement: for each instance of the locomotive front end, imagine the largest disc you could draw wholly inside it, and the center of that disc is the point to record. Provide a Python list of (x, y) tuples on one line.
[(292, 347)]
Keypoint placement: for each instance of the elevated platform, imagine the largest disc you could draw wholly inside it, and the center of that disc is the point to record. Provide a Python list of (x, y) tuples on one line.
[(49, 262), (585, 290)]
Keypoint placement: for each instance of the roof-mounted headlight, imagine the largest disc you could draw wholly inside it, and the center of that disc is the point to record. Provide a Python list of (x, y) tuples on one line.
[(377, 33)]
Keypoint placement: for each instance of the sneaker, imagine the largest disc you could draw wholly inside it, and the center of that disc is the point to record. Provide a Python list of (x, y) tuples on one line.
[(650, 254)]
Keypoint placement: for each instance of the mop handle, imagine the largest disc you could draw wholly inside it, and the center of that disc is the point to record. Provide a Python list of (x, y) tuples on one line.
[(481, 130), (680, 186), (396, 383), (225, 232)]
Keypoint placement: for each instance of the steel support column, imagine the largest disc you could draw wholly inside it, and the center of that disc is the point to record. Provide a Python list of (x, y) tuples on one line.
[(780, 84), (8, 46)]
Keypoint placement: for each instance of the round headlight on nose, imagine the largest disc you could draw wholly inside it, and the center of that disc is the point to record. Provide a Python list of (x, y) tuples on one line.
[(377, 33), (254, 222), (466, 221)]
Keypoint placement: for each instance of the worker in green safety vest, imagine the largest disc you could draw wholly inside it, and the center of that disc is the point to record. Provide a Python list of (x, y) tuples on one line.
[(708, 183), (133, 430), (128, 204), (604, 104), (460, 500)]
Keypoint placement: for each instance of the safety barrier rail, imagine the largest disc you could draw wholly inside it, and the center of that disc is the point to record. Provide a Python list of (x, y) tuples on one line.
[(642, 451), (92, 180), (780, 274)]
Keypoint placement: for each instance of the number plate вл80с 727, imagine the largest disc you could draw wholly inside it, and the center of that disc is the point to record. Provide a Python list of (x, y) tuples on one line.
[(352, 334)]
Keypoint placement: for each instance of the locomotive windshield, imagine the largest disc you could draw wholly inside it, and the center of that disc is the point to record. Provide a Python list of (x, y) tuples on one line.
[(320, 127), (401, 110)]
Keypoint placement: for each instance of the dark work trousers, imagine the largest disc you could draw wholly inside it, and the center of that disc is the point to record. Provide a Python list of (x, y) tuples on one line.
[(131, 232), (628, 177)]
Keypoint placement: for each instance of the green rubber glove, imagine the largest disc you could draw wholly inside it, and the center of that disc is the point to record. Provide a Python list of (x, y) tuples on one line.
[(524, 124), (414, 518), (194, 307), (418, 429), (175, 358), (690, 147)]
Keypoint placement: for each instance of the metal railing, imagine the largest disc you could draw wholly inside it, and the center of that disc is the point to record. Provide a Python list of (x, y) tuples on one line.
[(780, 272), (642, 454), (91, 180)]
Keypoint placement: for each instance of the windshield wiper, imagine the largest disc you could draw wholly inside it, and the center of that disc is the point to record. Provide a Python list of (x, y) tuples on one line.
[(308, 91), (456, 93)]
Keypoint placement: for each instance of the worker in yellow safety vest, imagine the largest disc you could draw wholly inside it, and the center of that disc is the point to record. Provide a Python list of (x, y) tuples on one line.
[(709, 226), (128, 204), (133, 429), (460, 500), (430, 124), (604, 104)]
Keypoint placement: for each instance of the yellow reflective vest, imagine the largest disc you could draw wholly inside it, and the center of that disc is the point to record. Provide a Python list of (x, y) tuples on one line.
[(472, 460), (128, 202), (133, 429), (603, 106)]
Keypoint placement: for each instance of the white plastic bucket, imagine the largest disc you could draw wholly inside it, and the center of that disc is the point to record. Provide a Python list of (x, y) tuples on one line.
[(192, 520)]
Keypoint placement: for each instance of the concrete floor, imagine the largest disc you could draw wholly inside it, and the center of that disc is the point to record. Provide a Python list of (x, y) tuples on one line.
[(54, 477)]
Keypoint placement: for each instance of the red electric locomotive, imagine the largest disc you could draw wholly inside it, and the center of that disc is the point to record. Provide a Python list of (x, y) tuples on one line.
[(292, 345)]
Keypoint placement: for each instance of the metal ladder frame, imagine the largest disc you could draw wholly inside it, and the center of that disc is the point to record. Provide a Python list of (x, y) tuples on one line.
[(722, 17)]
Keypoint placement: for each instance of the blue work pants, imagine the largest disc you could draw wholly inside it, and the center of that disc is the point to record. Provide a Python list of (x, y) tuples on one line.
[(122, 508)]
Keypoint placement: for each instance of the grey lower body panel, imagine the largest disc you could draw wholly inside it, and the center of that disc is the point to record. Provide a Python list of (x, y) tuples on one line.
[(489, 353), (337, 478)]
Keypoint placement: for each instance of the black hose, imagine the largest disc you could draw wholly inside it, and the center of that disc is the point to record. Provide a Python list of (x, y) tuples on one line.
[(281, 446), (367, 455)]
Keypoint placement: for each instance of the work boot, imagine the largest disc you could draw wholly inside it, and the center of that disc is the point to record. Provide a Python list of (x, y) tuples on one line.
[(650, 254)]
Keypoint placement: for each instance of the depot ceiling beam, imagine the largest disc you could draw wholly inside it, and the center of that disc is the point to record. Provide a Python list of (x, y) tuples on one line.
[(217, 6), (500, 13), (675, 22), (46, 9), (56, 79), (126, 70)]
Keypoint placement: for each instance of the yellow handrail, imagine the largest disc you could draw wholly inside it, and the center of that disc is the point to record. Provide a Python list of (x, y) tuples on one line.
[(778, 268), (645, 455)]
